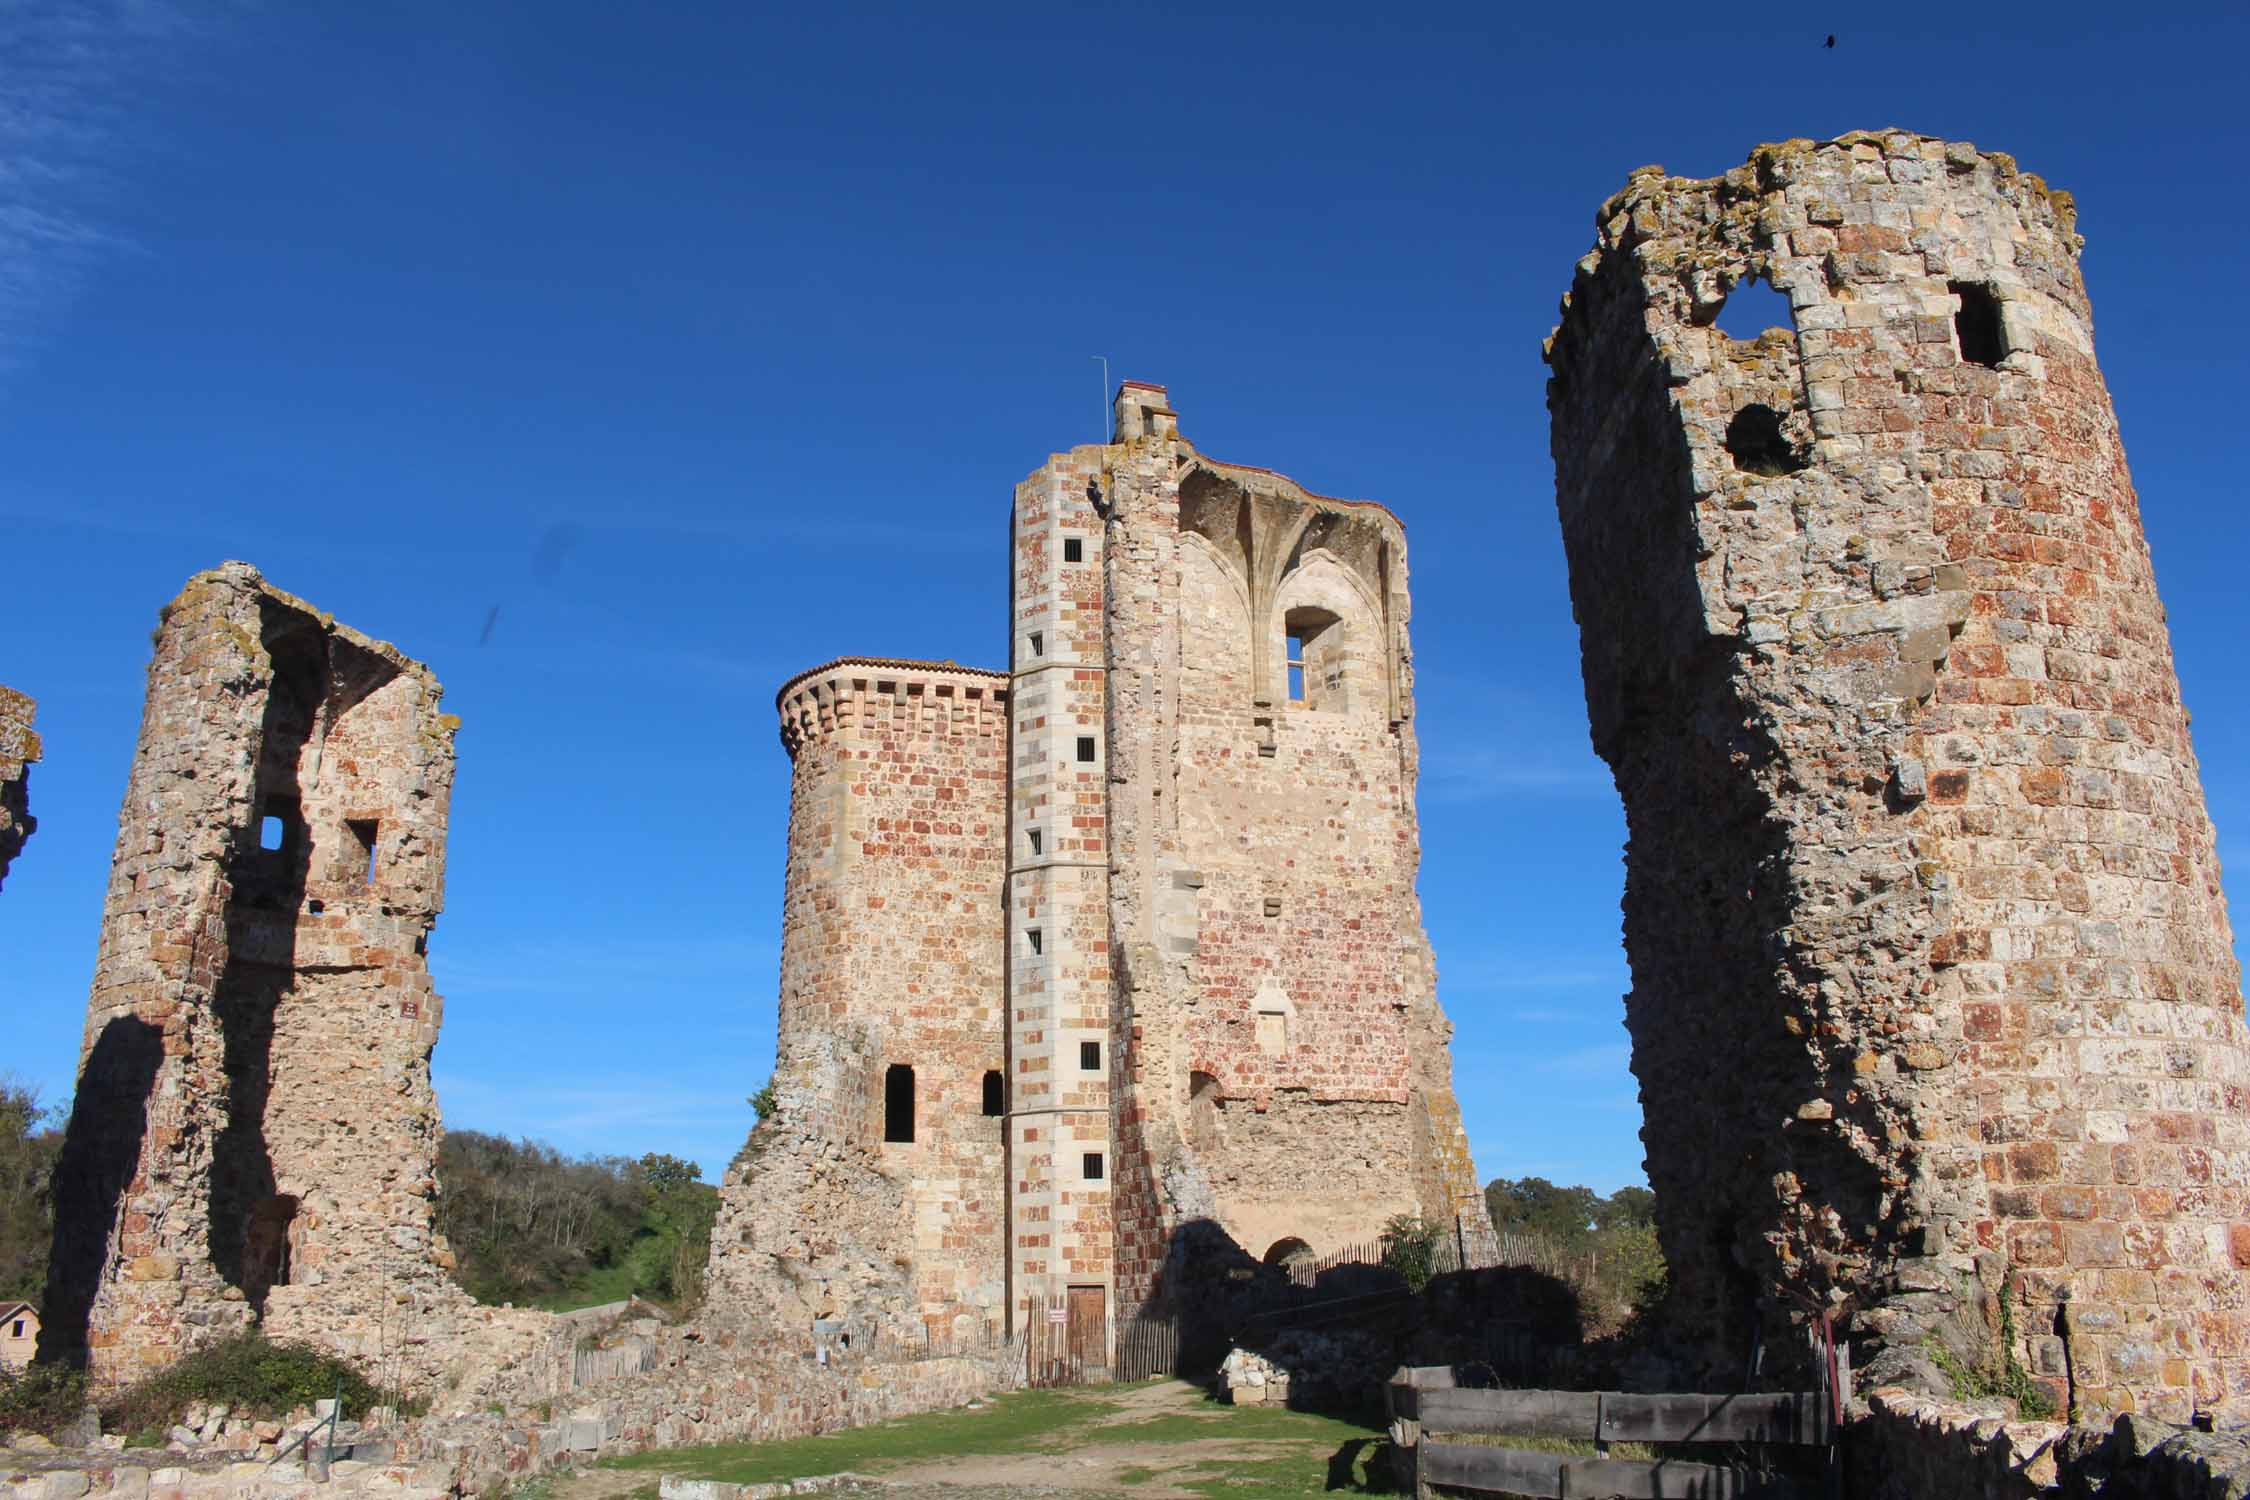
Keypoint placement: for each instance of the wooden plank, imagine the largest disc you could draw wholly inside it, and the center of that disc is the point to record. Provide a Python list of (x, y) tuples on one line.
[(1564, 1414), (1507, 1470), (1793, 1417), (1406, 1401), (1662, 1479)]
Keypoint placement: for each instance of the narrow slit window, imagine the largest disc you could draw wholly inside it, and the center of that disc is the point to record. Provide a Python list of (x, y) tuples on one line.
[(364, 832), (1296, 666), (1074, 550), (1033, 835), (995, 1093), (1038, 643), (272, 832), (1976, 323), (1091, 1166), (1031, 936), (898, 1105), (1090, 1056), (1086, 748)]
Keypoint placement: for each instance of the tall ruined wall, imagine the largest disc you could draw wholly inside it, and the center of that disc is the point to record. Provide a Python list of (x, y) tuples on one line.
[(890, 959), (19, 747), (1932, 976), (1279, 1067), (254, 1133)]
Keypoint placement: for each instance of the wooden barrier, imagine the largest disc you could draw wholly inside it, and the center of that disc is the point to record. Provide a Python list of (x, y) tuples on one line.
[(1426, 1401)]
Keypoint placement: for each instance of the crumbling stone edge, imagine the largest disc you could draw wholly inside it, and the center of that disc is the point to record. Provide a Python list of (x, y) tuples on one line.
[(1904, 1445)]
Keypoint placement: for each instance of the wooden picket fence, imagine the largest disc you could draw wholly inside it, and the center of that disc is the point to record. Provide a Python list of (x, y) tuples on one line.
[(1064, 1345)]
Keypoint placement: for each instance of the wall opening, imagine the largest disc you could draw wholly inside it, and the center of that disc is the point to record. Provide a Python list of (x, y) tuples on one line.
[(1976, 323), (1090, 1165), (995, 1093), (1754, 307), (271, 832), (267, 1249), (1086, 748), (1315, 654), (1074, 550), (1033, 836), (1203, 1112), (363, 832), (1289, 1252), (1031, 936), (1038, 643), (898, 1105), (1090, 1056), (1759, 446)]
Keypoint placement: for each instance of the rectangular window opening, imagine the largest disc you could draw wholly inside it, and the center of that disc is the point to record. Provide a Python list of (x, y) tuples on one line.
[(364, 832), (995, 1094), (898, 1105), (1086, 749), (1074, 550), (1031, 936), (1033, 835), (1091, 1165), (1038, 643), (1296, 666), (1977, 325), (1090, 1056)]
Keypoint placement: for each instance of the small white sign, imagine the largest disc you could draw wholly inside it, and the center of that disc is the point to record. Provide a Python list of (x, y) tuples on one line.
[(1058, 1315)]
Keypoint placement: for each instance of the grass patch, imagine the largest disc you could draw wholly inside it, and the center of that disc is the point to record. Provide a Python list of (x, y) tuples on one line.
[(1018, 1422), (1359, 1466)]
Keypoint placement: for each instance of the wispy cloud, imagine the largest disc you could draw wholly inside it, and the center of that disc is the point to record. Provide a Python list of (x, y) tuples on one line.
[(571, 967), (1480, 775), (64, 65), (1609, 1060)]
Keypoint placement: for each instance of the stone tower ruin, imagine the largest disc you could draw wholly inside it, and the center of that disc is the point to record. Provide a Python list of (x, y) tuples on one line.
[(1934, 1003), (1117, 953), (19, 748), (254, 1133)]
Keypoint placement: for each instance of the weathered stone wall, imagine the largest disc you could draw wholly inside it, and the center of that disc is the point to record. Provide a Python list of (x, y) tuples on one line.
[(1278, 1064), (254, 1133), (891, 934), (1932, 973), (19, 747)]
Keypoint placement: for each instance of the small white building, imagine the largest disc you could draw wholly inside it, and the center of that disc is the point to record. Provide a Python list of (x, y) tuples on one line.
[(19, 1332)]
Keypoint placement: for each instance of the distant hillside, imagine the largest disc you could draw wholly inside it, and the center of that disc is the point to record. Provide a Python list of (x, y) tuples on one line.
[(535, 1228)]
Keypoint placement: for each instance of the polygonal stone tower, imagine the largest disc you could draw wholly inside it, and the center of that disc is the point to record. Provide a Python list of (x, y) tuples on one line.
[(1934, 1003), (254, 1134)]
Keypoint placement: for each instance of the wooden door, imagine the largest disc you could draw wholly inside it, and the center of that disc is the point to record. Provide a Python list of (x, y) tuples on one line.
[(1089, 1328)]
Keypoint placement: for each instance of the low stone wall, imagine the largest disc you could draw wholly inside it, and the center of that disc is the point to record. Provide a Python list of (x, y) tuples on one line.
[(1906, 1446), (696, 1391)]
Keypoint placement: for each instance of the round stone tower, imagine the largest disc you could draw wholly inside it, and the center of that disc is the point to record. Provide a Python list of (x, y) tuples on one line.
[(1935, 1010), (879, 1199)]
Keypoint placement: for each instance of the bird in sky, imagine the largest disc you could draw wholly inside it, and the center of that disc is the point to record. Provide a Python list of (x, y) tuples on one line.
[(1831, 39)]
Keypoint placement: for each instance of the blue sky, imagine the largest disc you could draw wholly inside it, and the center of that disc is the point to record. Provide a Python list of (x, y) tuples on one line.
[(707, 342)]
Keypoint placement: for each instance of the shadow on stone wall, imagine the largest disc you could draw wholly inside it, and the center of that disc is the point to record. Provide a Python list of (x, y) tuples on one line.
[(1337, 1339), (101, 1152)]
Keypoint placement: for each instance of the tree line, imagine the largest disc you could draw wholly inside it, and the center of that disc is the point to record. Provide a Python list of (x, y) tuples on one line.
[(1609, 1244), (527, 1224)]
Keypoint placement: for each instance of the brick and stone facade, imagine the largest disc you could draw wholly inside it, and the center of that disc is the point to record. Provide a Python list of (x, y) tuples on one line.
[(254, 1133), (1160, 876), (879, 1196), (19, 748), (1934, 1001)]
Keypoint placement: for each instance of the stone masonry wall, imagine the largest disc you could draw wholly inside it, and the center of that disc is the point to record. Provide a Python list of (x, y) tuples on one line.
[(1279, 1065), (254, 1135), (891, 933), (1918, 853), (19, 747)]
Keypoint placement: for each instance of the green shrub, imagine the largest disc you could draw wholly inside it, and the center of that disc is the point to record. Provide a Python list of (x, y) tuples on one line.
[(40, 1398), (1997, 1373), (1410, 1248), (256, 1377)]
